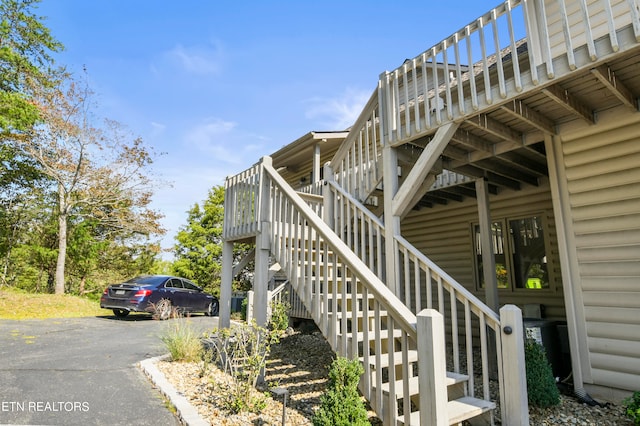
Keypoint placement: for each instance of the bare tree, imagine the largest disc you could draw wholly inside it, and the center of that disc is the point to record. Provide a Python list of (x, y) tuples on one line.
[(101, 172)]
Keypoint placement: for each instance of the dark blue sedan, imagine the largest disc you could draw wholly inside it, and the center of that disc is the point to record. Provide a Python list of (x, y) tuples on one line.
[(161, 295)]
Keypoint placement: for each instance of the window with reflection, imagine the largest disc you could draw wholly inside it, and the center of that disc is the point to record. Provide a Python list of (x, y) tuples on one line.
[(520, 253)]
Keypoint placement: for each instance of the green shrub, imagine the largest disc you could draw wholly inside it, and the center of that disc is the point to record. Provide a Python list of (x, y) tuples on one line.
[(241, 352), (243, 308), (541, 385), (632, 407), (279, 320), (182, 341), (341, 405)]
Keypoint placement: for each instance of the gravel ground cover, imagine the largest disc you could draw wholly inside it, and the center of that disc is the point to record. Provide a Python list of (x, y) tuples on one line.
[(300, 363)]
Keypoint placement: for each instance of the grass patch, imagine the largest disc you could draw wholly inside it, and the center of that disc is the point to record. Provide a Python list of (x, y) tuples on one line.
[(17, 305), (182, 342)]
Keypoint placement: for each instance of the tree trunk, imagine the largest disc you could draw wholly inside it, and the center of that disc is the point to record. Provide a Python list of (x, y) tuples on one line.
[(62, 242)]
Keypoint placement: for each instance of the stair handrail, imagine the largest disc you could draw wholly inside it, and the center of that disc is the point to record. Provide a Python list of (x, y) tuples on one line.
[(355, 164), (362, 237), (462, 292), (405, 317), (406, 251), (340, 293), (403, 245), (361, 121)]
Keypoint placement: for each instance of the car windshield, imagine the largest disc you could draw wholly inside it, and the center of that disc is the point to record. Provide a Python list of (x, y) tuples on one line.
[(147, 280)]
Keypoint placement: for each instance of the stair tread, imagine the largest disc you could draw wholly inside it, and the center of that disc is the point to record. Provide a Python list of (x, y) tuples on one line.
[(359, 296), (372, 336), (384, 358), (458, 410), (359, 314), (452, 379)]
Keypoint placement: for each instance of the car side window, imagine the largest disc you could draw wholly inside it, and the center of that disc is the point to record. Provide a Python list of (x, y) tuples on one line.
[(190, 286), (176, 283)]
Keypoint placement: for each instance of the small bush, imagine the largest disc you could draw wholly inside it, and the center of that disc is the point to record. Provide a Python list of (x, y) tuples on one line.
[(341, 405), (279, 320), (182, 342), (243, 308), (541, 385), (632, 407), (241, 352)]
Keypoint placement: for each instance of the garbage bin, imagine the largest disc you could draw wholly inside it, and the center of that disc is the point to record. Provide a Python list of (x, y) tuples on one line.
[(545, 332), (236, 303)]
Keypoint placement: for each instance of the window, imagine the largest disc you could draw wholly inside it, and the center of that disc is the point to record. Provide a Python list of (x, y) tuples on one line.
[(520, 253), (190, 286), (174, 283)]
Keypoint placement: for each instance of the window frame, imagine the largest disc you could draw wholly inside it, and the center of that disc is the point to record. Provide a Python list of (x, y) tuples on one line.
[(508, 246)]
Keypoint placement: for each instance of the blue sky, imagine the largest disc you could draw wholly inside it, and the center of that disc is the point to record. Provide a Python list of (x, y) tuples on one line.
[(218, 84)]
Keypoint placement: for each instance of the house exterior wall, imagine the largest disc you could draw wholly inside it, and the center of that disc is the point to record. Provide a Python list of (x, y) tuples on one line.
[(598, 22), (602, 171), (452, 224)]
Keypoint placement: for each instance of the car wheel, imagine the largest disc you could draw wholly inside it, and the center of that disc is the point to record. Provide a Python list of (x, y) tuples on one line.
[(213, 309), (120, 313), (163, 309)]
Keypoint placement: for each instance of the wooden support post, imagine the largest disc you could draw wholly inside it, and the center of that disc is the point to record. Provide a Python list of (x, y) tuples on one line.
[(488, 265), (261, 276), (391, 222), (515, 409), (250, 299), (327, 195), (488, 259), (315, 178), (224, 318), (432, 369)]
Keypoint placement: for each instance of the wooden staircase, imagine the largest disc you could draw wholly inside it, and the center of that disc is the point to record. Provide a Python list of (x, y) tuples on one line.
[(350, 315), (428, 346), (338, 279)]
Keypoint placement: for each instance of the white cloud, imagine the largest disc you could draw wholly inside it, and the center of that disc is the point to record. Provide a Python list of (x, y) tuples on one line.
[(211, 150), (338, 113), (225, 142), (157, 129), (213, 137), (201, 60)]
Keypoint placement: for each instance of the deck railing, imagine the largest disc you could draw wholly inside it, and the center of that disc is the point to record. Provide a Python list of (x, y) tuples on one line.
[(241, 208), (516, 47)]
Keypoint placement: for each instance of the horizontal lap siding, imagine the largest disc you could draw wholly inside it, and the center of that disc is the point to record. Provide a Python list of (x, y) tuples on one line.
[(598, 22), (603, 180), (443, 233)]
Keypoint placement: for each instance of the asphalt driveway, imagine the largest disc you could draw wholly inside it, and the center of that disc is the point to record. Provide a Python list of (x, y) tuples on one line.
[(82, 371)]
